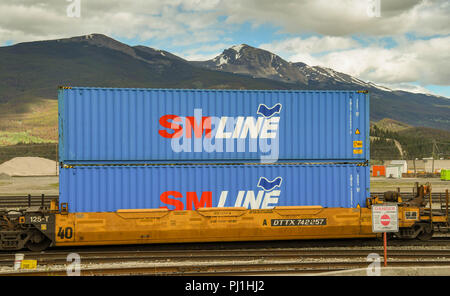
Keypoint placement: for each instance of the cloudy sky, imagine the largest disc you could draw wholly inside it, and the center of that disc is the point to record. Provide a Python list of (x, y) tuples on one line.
[(403, 44)]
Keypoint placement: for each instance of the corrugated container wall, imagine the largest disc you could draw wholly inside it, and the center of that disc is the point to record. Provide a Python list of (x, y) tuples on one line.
[(101, 125), (110, 188)]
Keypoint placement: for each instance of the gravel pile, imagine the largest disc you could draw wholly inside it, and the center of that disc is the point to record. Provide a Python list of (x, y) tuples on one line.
[(28, 166)]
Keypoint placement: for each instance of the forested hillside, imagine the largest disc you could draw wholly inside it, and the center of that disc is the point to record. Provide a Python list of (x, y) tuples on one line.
[(414, 142)]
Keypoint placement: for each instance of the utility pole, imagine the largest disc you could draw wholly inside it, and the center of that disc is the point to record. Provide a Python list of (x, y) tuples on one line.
[(434, 154)]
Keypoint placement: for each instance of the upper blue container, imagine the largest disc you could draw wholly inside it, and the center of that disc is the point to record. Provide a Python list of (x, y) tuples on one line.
[(108, 125)]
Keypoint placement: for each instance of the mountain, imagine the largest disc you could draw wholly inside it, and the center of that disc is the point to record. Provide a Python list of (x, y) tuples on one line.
[(256, 62), (34, 70), (244, 59), (411, 108)]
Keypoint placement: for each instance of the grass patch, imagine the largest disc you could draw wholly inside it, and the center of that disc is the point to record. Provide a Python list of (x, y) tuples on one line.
[(441, 106), (29, 121), (13, 138)]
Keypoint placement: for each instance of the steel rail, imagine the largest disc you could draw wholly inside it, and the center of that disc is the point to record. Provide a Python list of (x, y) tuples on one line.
[(60, 258), (230, 269)]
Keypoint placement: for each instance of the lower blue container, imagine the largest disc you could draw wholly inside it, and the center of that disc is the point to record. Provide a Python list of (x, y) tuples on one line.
[(188, 187)]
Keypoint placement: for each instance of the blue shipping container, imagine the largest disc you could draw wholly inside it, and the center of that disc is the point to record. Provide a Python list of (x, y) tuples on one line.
[(110, 188), (107, 125)]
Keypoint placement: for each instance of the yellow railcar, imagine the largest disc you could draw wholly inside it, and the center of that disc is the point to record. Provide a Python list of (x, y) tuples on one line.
[(38, 229)]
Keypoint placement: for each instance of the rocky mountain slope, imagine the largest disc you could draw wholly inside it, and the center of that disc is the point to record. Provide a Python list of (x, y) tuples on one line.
[(36, 69)]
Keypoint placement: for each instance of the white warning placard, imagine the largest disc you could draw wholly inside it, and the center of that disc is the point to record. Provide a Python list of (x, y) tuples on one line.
[(385, 218)]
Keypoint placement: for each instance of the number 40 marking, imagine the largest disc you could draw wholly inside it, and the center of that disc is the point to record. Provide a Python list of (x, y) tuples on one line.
[(65, 233)]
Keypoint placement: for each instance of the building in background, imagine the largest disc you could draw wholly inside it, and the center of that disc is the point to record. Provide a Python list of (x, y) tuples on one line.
[(378, 171), (394, 171), (436, 166), (418, 166), (415, 166), (402, 163)]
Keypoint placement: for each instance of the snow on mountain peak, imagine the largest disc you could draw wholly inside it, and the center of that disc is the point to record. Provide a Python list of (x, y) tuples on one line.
[(238, 48), (221, 59)]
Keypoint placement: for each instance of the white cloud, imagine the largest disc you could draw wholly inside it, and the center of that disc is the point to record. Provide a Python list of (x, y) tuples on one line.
[(198, 5), (409, 88), (345, 17), (314, 44), (426, 61), (196, 56), (25, 20), (204, 52)]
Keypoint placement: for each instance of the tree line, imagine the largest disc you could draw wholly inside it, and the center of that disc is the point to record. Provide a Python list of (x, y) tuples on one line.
[(382, 145)]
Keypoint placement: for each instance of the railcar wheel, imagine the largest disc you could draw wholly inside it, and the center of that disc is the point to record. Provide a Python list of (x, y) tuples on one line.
[(426, 234), (38, 242)]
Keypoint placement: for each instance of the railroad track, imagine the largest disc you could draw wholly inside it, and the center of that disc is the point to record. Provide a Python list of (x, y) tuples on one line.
[(219, 255), (231, 269), (226, 262), (436, 196), (22, 201)]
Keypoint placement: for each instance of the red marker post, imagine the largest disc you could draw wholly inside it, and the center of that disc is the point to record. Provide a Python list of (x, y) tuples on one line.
[(385, 219), (385, 249)]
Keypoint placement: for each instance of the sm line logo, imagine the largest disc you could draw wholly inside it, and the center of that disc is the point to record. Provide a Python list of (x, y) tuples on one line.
[(265, 198), (201, 133)]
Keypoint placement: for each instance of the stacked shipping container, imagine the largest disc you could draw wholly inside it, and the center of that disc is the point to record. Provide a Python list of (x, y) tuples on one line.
[(184, 149), (152, 125)]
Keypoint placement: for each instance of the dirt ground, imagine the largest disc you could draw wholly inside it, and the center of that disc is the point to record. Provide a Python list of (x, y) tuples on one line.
[(49, 185), (29, 185), (381, 184)]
